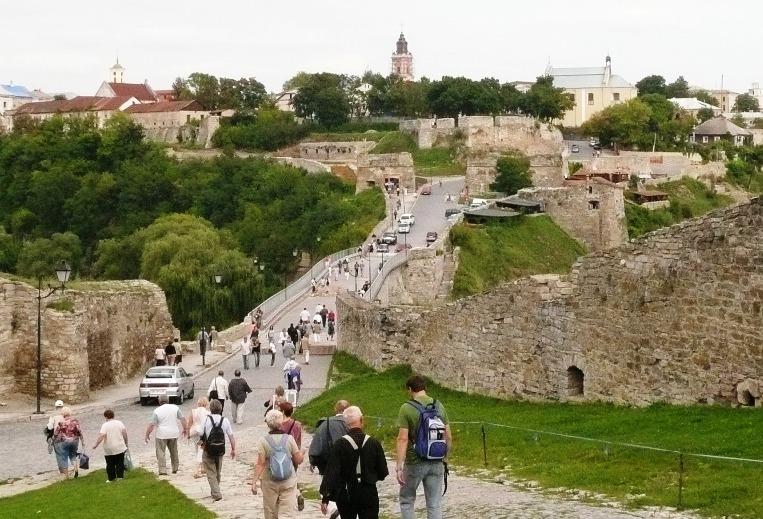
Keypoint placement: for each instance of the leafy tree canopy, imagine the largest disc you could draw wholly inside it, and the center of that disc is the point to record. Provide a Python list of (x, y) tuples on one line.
[(513, 174), (322, 98), (654, 84), (215, 93), (746, 103)]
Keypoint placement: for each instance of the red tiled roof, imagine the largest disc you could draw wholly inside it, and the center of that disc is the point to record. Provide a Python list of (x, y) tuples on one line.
[(165, 106), (139, 91), (77, 104)]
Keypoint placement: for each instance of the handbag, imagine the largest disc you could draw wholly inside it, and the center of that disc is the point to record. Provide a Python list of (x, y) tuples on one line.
[(128, 460), (84, 461), (214, 395)]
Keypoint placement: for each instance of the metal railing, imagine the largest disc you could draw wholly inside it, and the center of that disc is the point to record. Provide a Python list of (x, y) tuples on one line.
[(389, 265), (297, 288)]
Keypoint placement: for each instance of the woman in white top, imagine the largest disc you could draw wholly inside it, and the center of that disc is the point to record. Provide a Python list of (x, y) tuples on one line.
[(196, 428), (160, 356), (114, 437)]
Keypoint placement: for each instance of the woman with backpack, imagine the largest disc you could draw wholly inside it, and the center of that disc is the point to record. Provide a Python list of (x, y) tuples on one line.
[(277, 460)]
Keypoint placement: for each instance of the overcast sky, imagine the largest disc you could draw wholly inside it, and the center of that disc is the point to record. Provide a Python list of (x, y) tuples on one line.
[(69, 46)]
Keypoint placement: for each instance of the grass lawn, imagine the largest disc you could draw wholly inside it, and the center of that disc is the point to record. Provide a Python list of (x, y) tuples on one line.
[(140, 495), (436, 162), (688, 199), (634, 476), (395, 142), (501, 251)]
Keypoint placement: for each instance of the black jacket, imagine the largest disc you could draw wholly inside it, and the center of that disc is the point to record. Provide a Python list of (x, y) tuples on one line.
[(237, 389), (342, 466)]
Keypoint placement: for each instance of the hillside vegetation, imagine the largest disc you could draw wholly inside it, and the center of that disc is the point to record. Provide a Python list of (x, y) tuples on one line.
[(634, 476), (689, 198), (502, 251)]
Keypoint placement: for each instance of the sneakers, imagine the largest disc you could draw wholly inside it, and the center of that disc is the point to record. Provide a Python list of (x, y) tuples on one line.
[(218, 498), (300, 502), (108, 481)]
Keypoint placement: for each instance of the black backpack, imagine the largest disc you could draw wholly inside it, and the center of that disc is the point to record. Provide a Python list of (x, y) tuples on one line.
[(214, 442)]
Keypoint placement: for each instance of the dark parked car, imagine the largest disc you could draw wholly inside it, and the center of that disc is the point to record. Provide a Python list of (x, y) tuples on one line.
[(575, 148), (431, 236), (382, 247), (390, 238), (426, 189), (450, 212)]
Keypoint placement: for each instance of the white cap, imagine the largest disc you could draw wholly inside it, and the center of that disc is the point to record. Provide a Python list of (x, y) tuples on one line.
[(59, 403)]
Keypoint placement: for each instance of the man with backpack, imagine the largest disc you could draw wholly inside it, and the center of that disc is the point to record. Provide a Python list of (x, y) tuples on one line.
[(327, 431), (355, 464), (216, 428), (277, 460), (423, 443)]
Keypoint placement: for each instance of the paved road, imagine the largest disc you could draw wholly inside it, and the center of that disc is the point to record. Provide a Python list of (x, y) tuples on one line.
[(429, 210)]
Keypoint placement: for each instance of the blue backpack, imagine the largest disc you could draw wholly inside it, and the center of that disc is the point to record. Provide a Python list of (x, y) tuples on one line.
[(280, 465), (429, 442)]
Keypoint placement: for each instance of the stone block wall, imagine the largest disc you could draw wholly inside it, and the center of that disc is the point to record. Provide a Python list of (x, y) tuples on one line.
[(340, 151), (675, 316), (591, 211), (374, 169), (109, 336)]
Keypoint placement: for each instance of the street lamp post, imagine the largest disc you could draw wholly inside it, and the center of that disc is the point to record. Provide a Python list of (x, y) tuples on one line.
[(218, 278), (63, 271)]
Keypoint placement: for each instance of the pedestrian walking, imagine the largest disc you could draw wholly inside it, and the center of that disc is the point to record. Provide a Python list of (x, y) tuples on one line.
[(272, 349), (356, 267), (331, 331), (278, 397), (346, 266), (324, 315), (202, 338), (216, 428), (271, 334), (53, 421), (293, 333), (66, 442), (327, 431), (165, 420), (212, 338), (356, 463), (289, 349), (314, 285), (304, 316), (256, 349), (238, 389), (171, 353), (316, 328), (113, 435), (293, 428), (258, 317), (305, 348), (196, 430), (277, 459), (423, 443), (160, 356), (361, 268), (246, 349), (218, 389)]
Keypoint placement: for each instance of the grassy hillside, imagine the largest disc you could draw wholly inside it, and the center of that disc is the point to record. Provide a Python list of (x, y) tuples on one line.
[(688, 199), (436, 162), (502, 251), (395, 142), (634, 476)]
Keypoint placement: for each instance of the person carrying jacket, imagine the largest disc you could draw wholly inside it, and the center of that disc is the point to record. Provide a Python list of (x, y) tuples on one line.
[(356, 463)]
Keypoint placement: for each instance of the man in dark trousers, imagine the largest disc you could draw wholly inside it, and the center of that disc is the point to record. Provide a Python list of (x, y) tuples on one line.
[(355, 464), (238, 389)]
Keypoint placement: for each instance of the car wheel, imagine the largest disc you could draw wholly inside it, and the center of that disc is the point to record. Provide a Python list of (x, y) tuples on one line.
[(143, 401), (193, 393)]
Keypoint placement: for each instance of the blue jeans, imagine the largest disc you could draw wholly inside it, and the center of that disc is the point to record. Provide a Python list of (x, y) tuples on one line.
[(66, 452), (431, 473)]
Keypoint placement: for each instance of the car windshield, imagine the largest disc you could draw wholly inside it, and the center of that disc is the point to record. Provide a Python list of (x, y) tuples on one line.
[(160, 373)]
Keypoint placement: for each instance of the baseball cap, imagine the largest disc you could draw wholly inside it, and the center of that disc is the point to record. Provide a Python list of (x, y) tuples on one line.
[(59, 403)]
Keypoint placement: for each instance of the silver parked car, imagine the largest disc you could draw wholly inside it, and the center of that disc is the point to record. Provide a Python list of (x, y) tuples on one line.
[(172, 381)]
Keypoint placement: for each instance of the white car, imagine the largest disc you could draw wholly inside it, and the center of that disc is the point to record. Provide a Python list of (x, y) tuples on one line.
[(403, 228), (172, 381), (406, 219)]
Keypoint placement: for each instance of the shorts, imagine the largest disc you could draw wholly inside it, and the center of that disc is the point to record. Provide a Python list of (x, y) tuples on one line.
[(66, 453)]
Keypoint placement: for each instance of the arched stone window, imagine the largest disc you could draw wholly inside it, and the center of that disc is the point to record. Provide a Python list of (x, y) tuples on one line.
[(575, 381)]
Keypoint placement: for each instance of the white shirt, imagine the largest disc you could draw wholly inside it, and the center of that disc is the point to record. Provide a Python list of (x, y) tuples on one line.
[(221, 385), (114, 443), (166, 418), (159, 354), (216, 417), (318, 309), (53, 421), (317, 318), (304, 315), (246, 346), (290, 364)]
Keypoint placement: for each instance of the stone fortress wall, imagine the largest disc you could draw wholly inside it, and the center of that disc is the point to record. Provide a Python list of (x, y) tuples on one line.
[(486, 137), (335, 151), (676, 316), (376, 168), (109, 336)]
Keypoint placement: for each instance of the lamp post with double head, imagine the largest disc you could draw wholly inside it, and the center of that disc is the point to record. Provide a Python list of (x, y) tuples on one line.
[(63, 271)]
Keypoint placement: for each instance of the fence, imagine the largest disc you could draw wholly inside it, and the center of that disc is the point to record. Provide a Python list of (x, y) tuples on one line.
[(679, 464)]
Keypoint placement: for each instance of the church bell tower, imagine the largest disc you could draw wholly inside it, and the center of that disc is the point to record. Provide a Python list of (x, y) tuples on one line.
[(402, 60)]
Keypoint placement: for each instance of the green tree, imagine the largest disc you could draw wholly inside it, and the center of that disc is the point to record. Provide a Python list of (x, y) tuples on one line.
[(513, 174), (739, 120), (322, 98), (9, 251), (267, 129), (678, 88), (39, 258), (746, 103), (654, 84), (705, 97), (546, 102), (704, 114), (214, 93)]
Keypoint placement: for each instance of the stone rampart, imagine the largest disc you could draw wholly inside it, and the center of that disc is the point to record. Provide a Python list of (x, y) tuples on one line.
[(334, 151), (108, 336), (378, 168), (675, 316)]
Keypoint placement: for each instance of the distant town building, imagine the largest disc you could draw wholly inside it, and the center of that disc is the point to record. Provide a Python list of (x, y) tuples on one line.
[(592, 89), (140, 91), (166, 95), (757, 93), (720, 128), (101, 107), (285, 100), (12, 96), (522, 86), (402, 60), (726, 99), (692, 105), (116, 73)]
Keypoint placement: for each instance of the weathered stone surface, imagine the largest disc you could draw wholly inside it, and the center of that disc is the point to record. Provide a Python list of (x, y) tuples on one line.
[(675, 316), (376, 169), (109, 336)]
